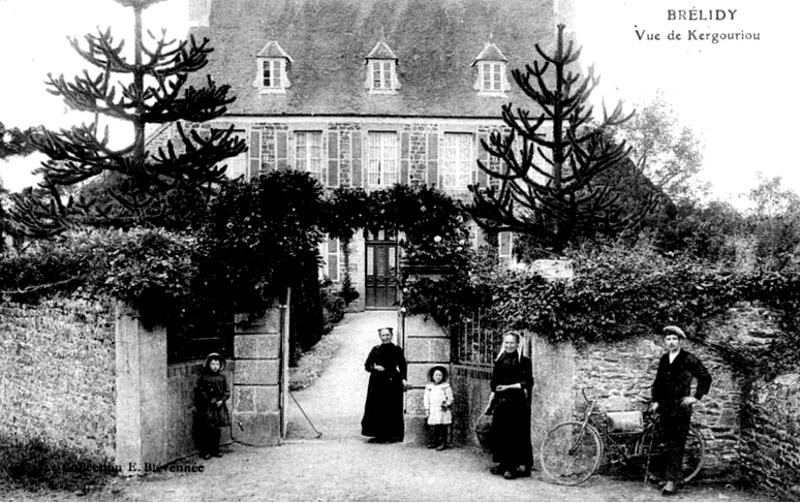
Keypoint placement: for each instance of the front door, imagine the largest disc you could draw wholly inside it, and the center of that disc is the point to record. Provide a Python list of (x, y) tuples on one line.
[(381, 270)]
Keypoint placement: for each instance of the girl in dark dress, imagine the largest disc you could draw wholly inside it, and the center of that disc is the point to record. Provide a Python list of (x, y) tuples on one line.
[(509, 403), (212, 413), (383, 411)]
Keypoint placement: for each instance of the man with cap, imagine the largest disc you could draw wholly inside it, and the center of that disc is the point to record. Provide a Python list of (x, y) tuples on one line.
[(673, 399)]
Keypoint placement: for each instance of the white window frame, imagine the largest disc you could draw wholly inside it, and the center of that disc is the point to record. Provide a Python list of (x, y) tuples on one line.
[(382, 76), (458, 162), (305, 158), (492, 78), (278, 80), (331, 248), (382, 159)]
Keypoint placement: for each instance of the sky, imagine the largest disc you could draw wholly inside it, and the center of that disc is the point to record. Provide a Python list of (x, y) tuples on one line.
[(737, 95)]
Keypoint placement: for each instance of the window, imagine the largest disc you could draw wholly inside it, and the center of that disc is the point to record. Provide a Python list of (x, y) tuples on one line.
[(272, 64), (271, 73), (330, 266), (505, 242), (491, 64), (382, 70), (382, 75), (459, 159), (382, 168), (492, 75), (237, 166), (308, 153)]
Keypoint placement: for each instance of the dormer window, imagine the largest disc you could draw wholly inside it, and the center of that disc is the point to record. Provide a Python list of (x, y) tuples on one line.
[(382, 70), (491, 64), (272, 69)]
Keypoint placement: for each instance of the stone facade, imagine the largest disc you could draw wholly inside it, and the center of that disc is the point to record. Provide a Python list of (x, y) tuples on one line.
[(420, 155), (771, 437)]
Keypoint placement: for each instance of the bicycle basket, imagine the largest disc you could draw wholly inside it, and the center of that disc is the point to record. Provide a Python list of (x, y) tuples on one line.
[(625, 422)]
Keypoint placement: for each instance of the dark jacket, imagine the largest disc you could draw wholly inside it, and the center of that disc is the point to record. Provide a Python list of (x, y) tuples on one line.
[(674, 380), (212, 387)]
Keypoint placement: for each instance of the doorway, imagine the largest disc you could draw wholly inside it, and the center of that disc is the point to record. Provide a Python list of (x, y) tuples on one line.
[(381, 269)]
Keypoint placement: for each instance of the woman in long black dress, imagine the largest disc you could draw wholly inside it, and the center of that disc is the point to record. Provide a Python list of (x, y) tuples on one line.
[(509, 403), (383, 411)]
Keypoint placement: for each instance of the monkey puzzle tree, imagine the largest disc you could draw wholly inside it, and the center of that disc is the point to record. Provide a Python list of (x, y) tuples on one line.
[(163, 187), (557, 187)]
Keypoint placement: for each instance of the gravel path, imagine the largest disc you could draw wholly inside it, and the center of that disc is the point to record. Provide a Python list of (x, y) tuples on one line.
[(341, 466)]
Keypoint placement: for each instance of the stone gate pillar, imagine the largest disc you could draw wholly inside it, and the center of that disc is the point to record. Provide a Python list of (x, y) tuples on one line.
[(141, 390), (425, 344), (256, 413)]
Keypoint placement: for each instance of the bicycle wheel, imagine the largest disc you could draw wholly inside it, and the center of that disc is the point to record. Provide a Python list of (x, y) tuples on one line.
[(693, 454), (571, 453)]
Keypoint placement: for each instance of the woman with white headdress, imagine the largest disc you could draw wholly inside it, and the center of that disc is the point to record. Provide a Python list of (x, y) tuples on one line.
[(509, 404)]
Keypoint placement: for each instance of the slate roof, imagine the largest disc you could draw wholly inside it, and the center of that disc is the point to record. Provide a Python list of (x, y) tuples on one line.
[(490, 52), (381, 51), (435, 42), (274, 50)]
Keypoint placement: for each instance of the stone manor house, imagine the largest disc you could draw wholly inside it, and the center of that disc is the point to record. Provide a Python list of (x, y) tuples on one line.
[(368, 93)]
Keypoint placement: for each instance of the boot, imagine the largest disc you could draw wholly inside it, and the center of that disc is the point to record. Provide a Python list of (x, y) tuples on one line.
[(442, 438)]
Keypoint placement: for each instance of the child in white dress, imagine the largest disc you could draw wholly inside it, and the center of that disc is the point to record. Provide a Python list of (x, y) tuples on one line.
[(438, 401)]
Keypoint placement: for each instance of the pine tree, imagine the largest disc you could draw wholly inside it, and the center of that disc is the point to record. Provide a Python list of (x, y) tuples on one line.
[(131, 185), (559, 187), (14, 141)]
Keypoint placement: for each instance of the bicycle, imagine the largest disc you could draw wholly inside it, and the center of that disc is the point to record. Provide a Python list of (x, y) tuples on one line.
[(572, 451)]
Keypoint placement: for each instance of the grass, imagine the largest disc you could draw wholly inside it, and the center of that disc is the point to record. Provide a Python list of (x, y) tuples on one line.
[(313, 362)]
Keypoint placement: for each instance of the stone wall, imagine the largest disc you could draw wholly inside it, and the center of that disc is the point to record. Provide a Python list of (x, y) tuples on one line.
[(57, 379), (771, 436), (621, 374)]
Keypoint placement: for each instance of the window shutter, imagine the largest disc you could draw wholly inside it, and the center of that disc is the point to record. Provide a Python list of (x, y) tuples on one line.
[(333, 259), (281, 147), (358, 143), (333, 158), (255, 153), (405, 149), (433, 159), (483, 155)]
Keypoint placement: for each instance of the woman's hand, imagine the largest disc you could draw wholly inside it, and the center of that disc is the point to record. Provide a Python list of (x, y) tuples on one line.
[(379, 368)]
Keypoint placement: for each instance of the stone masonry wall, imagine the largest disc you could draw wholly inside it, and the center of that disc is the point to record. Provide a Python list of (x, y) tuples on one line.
[(57, 382), (771, 436), (621, 374)]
